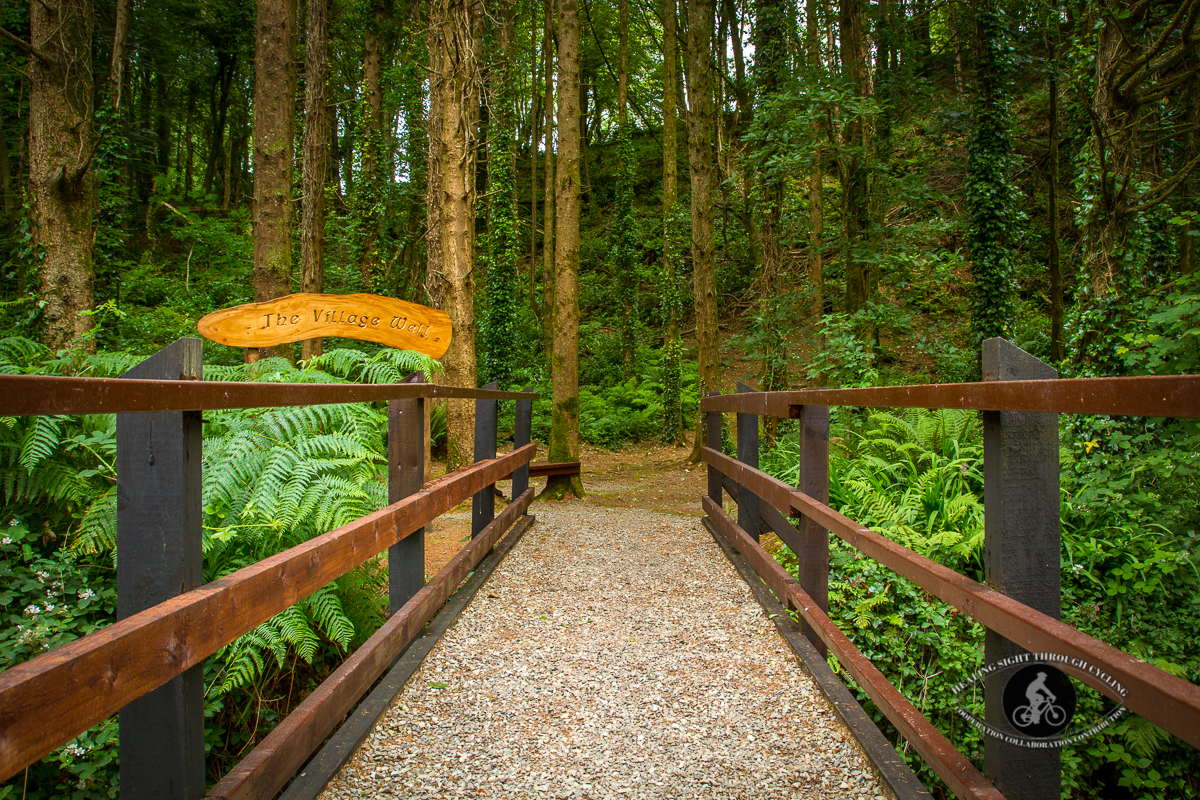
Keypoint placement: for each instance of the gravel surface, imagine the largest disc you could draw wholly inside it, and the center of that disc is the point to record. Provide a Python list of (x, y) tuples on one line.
[(615, 653)]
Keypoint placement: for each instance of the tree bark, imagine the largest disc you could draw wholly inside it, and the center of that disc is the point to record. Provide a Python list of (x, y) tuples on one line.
[(116, 75), (816, 184), (316, 159), (373, 150), (549, 204), (1057, 351), (700, 159), (61, 179), (274, 115), (456, 81), (564, 366), (856, 200), (770, 73)]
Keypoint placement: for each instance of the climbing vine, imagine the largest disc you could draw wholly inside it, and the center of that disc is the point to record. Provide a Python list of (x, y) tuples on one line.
[(989, 194)]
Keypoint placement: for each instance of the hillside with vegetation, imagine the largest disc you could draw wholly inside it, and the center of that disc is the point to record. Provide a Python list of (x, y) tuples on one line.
[(625, 205)]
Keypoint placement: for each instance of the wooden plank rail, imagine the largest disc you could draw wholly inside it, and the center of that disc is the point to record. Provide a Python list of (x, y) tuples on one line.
[(1169, 702), (1175, 396), (951, 766), (277, 757), (26, 395), (46, 701)]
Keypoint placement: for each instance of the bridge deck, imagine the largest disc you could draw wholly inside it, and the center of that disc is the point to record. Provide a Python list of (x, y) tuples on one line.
[(614, 653)]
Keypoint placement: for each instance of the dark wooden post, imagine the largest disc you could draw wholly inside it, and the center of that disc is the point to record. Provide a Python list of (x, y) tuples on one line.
[(1021, 552), (712, 438), (522, 431), (159, 556), (406, 475), (747, 453), (814, 540), (483, 505)]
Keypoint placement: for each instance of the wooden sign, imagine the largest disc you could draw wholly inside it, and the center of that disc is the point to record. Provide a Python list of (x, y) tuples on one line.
[(396, 323)]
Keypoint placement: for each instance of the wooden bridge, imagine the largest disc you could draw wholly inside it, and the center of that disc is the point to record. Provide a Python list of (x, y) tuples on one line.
[(613, 653)]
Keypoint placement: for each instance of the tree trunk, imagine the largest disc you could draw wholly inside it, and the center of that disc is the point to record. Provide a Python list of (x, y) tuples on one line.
[(564, 366), (373, 139), (274, 114), (856, 200), (549, 204), (770, 73), (61, 179), (9, 208), (1057, 351), (672, 293), (219, 102), (116, 75), (316, 159), (816, 183), (700, 159), (456, 82)]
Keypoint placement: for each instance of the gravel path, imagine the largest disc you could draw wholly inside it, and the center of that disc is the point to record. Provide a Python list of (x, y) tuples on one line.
[(615, 653)]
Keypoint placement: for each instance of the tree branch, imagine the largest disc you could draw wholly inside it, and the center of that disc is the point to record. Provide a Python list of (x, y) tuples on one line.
[(40, 55), (1164, 189)]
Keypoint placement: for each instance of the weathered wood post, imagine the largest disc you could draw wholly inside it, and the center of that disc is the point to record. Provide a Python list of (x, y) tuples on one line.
[(747, 453), (483, 504), (159, 556), (522, 432), (712, 438), (814, 540), (406, 474), (1021, 552)]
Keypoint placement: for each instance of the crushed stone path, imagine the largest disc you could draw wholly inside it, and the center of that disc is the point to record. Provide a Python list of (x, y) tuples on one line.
[(614, 653)]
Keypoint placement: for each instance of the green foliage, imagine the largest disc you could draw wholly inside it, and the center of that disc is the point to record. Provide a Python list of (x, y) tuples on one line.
[(1130, 569), (671, 430), (273, 478), (625, 251), (989, 194)]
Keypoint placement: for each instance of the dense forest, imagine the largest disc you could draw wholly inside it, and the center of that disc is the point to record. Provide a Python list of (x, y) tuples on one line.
[(625, 205)]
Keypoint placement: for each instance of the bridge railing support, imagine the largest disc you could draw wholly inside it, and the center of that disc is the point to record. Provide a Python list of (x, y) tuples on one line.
[(406, 474), (1021, 543), (483, 504), (159, 547)]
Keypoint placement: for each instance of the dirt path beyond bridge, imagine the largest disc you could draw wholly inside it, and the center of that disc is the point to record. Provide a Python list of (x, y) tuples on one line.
[(615, 653)]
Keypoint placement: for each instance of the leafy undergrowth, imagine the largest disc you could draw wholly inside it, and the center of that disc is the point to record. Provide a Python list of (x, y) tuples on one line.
[(1129, 572), (273, 478)]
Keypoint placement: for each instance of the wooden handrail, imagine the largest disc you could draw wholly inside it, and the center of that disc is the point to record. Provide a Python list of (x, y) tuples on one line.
[(951, 766), (1164, 699), (27, 395), (47, 700), (271, 764), (1175, 396)]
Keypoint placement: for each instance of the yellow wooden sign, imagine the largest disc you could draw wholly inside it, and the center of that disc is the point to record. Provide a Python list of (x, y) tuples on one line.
[(396, 323)]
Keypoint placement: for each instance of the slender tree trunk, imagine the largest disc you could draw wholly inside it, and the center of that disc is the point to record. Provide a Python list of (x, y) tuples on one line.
[(1187, 233), (1057, 351), (434, 280), (61, 179), (373, 130), (816, 185), (564, 366), (219, 110), (116, 75), (456, 78), (671, 291), (274, 115), (770, 73), (316, 159), (535, 135), (9, 205), (856, 200), (550, 223), (626, 244), (700, 159)]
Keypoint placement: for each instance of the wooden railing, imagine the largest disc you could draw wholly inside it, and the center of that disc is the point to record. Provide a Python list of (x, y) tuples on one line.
[(146, 665), (1020, 399)]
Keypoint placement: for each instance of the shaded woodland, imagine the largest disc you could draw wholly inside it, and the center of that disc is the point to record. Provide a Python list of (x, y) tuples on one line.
[(624, 205)]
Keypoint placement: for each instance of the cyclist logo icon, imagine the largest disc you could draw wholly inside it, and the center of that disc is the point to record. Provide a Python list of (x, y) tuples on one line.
[(1039, 700)]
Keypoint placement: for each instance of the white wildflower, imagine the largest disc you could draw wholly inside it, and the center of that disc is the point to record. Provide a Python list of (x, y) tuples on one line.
[(32, 610), (6, 541)]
